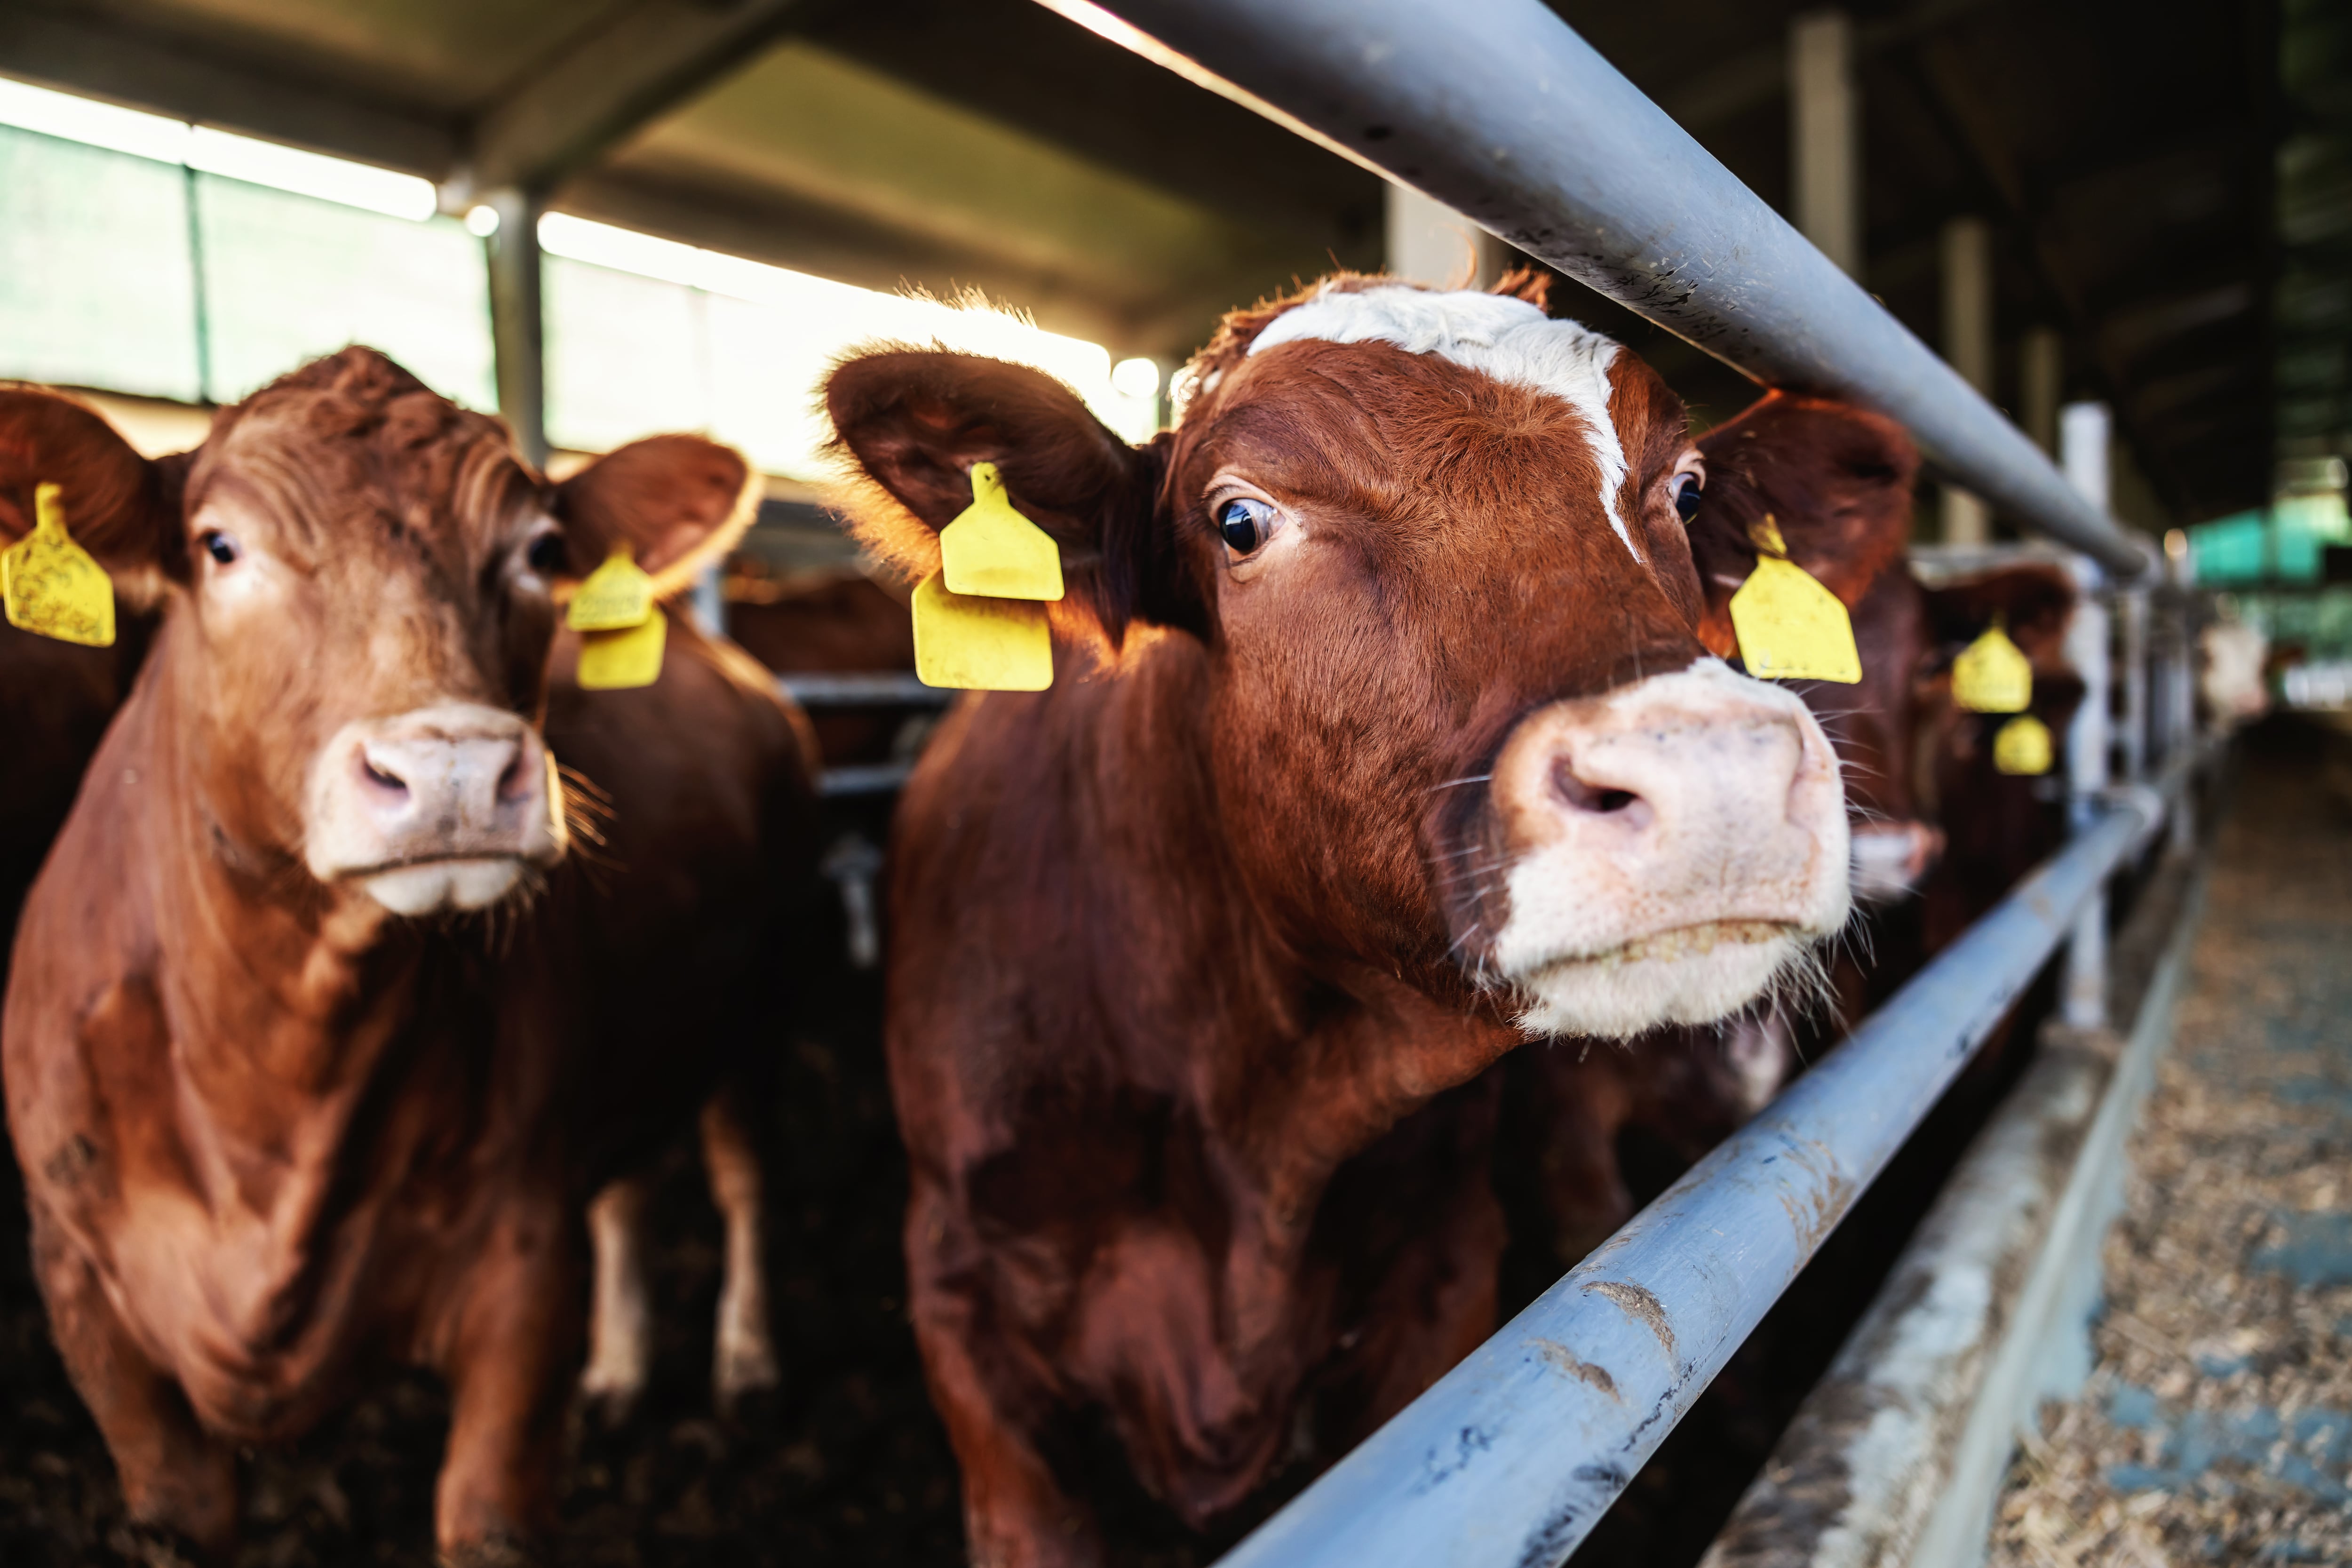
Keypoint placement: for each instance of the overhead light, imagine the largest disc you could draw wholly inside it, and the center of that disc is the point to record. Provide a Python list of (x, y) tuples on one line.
[(168, 141), (1136, 377), (481, 222)]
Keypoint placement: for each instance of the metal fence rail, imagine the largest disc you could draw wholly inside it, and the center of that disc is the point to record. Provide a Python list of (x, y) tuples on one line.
[(1494, 107), (1512, 1456)]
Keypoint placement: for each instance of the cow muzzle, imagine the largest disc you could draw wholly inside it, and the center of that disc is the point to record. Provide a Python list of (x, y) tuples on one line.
[(440, 808), (1673, 849)]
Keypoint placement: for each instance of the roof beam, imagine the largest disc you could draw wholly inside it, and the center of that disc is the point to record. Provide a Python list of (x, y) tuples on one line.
[(162, 72), (603, 85)]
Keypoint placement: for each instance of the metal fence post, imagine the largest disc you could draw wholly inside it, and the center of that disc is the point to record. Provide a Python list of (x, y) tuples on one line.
[(2131, 609), (2082, 450)]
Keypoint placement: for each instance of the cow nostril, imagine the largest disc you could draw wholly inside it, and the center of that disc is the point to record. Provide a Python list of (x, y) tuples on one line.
[(1582, 796), (382, 777), (511, 778)]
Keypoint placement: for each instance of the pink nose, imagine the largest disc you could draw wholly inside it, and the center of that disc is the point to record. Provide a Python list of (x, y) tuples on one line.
[(451, 783), (1692, 822)]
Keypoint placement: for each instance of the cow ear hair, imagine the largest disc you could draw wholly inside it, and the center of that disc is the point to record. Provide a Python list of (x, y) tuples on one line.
[(910, 424), (122, 507), (1836, 479), (680, 501)]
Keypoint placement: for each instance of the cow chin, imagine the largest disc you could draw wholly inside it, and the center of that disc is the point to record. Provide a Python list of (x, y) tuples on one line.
[(445, 887), (1696, 974)]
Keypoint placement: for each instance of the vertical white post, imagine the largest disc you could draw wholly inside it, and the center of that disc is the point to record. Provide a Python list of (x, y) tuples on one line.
[(711, 599), (2083, 452), (2041, 377), (1429, 242), (2131, 604), (1825, 136), (1967, 344)]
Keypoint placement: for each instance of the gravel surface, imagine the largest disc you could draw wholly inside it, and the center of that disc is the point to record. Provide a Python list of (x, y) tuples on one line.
[(2217, 1426)]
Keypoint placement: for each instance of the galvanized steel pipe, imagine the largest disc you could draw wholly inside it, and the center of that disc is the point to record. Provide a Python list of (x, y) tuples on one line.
[(1496, 108), (1511, 1457)]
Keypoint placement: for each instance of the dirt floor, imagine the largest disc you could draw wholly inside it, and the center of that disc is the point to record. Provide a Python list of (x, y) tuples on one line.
[(2217, 1426)]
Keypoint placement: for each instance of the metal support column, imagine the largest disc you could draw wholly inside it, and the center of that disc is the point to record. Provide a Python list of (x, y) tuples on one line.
[(2083, 454), (1825, 136), (2131, 612), (1968, 345), (1429, 242), (518, 327)]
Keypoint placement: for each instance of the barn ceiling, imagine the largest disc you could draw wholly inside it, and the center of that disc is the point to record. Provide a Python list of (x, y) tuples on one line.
[(2134, 164)]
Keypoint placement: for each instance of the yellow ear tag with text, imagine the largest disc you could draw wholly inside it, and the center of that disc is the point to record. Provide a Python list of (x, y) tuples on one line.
[(613, 598), (1992, 675), (622, 633), (2023, 746), (993, 551), (975, 642), (50, 585), (1789, 626)]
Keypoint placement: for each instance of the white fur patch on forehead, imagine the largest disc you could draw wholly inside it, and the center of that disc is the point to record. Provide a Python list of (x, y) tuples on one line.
[(1507, 339)]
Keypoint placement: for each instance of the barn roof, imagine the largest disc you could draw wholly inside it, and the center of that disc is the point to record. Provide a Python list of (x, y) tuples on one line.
[(2134, 169)]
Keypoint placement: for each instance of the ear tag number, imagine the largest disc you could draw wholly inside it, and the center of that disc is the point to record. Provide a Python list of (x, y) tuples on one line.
[(1789, 626), (979, 644), (978, 624), (613, 598), (2022, 747), (622, 633), (50, 585), (1992, 675), (993, 551)]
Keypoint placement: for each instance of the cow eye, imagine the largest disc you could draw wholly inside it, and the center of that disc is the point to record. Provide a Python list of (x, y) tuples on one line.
[(546, 554), (1244, 521), (219, 546), (1688, 491)]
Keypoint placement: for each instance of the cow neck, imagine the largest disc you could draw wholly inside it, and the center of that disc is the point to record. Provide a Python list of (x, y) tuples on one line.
[(1306, 1061), (284, 1004)]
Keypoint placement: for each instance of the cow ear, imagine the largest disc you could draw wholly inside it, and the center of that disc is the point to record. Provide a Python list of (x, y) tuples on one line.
[(122, 507), (1836, 479), (913, 422), (678, 502)]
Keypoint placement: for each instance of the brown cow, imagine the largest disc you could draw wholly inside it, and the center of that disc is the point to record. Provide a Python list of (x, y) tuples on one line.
[(1380, 740), (1837, 483), (334, 1001)]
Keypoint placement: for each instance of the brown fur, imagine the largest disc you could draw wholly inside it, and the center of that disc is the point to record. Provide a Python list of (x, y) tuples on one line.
[(273, 1137), (1186, 996)]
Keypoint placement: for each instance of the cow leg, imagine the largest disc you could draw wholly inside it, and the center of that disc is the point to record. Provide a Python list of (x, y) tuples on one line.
[(745, 1360), (621, 1316), (1015, 1513), (178, 1481), (511, 1340)]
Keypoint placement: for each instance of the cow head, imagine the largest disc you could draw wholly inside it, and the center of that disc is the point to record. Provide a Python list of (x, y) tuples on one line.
[(362, 582), (1428, 552), (1837, 482)]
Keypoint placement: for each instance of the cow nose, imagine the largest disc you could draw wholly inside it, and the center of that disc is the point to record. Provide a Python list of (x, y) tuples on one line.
[(1675, 843), (1602, 799), (439, 807)]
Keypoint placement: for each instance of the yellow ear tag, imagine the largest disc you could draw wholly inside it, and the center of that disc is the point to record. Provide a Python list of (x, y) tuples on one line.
[(632, 657), (1992, 675), (51, 586), (1789, 626), (621, 635), (993, 551), (979, 644), (613, 598), (2023, 746)]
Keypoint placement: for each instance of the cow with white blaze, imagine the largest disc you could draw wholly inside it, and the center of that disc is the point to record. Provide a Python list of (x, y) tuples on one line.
[(1380, 741)]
